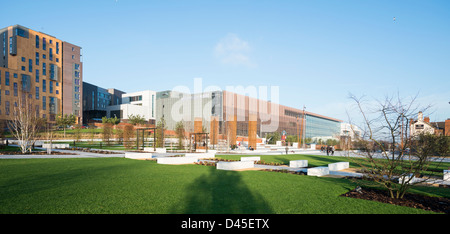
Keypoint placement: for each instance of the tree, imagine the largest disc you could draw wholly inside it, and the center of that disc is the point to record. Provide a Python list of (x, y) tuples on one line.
[(111, 120), (391, 156), (128, 134), (180, 132), (107, 132), (65, 120), (136, 119), (160, 127), (25, 123)]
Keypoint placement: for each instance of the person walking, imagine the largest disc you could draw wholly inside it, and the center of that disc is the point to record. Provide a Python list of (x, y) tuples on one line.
[(328, 150), (332, 150)]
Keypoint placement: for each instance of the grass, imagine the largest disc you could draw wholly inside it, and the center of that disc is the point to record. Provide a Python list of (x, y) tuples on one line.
[(126, 186)]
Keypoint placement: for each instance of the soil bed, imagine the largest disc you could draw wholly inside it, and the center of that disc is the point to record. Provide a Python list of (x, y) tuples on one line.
[(435, 204)]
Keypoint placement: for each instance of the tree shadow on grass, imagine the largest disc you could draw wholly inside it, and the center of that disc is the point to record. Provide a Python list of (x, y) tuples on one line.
[(221, 192)]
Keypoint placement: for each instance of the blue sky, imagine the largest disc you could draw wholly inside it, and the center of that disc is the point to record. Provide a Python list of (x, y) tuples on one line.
[(315, 51)]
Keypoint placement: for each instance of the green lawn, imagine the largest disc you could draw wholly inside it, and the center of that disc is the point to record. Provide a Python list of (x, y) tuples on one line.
[(119, 185)]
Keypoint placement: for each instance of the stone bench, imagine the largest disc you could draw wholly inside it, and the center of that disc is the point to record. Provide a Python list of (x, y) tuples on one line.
[(56, 146), (158, 150), (338, 166), (298, 163), (176, 160), (138, 155), (238, 165), (318, 171), (250, 159)]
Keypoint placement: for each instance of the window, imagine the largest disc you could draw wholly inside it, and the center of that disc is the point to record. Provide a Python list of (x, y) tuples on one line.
[(15, 75), (23, 59), (30, 65), (44, 44), (50, 54), (23, 68), (15, 89), (44, 56), (7, 107), (37, 59), (50, 83), (37, 93), (77, 66), (37, 76), (77, 81), (57, 47), (37, 41), (11, 45), (44, 85), (44, 69), (6, 78), (4, 44), (77, 74), (44, 103)]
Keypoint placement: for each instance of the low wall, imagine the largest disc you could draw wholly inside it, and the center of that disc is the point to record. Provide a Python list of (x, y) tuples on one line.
[(158, 150), (201, 155), (318, 171), (138, 155), (251, 159), (298, 163), (176, 160), (238, 165), (338, 166), (56, 146)]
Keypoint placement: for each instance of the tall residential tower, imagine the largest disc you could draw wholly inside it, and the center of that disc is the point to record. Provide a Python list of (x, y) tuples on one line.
[(41, 67)]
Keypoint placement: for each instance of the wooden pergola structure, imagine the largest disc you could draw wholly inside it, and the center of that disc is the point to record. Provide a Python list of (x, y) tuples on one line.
[(198, 138), (140, 131)]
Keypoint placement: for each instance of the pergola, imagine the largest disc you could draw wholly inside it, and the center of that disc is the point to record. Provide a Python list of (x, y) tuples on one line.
[(140, 131), (198, 137)]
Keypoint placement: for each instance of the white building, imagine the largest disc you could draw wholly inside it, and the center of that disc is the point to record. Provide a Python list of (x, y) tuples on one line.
[(350, 130), (421, 125), (141, 103)]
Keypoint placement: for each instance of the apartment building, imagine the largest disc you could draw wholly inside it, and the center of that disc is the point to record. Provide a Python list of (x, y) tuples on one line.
[(42, 68)]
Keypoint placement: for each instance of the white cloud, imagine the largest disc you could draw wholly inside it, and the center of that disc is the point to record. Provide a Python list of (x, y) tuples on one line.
[(232, 50)]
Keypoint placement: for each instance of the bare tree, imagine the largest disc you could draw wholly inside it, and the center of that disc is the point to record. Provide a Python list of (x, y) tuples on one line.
[(24, 123), (388, 153)]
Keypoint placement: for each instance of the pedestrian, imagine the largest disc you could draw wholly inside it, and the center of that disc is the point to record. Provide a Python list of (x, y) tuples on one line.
[(328, 150), (332, 150)]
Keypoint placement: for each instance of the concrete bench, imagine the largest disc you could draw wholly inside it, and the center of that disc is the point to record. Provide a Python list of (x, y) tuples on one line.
[(250, 159), (338, 166), (56, 146), (138, 155), (158, 150), (298, 163), (176, 160), (447, 175), (318, 171), (235, 165)]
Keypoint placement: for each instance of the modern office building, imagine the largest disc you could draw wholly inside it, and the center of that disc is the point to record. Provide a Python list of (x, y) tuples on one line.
[(42, 68), (141, 103), (96, 101), (227, 113)]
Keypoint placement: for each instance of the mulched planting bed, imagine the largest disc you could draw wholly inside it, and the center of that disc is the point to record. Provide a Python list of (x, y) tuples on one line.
[(435, 204)]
